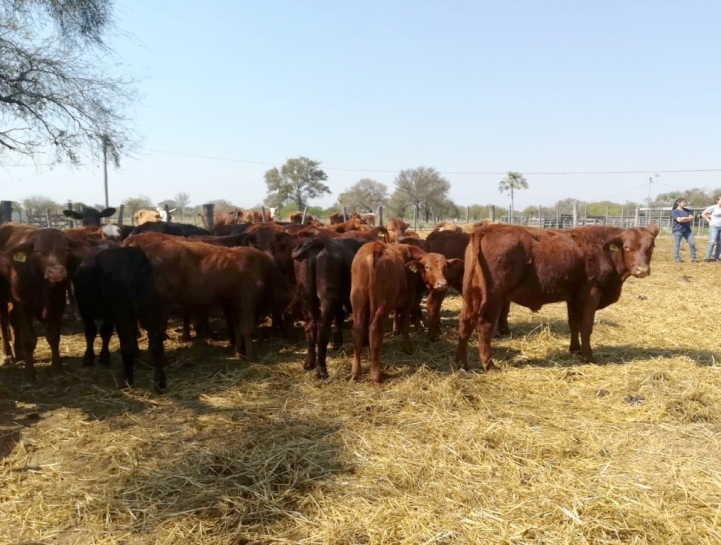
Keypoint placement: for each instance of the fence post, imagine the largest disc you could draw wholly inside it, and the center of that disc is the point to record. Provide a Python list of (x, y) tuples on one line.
[(208, 212), (585, 214), (120, 214), (380, 215), (636, 217), (558, 217), (47, 217), (305, 213), (415, 217), (468, 214), (262, 213), (167, 212), (605, 222), (540, 218), (492, 213), (575, 213), (6, 211), (71, 221), (345, 215), (510, 218)]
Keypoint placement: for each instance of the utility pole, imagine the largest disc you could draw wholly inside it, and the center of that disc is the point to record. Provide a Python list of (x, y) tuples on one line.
[(105, 168)]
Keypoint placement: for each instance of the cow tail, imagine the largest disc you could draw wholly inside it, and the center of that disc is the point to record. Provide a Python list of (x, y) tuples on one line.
[(373, 260)]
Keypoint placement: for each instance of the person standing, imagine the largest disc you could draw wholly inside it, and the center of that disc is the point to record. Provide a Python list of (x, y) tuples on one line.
[(681, 220), (713, 216)]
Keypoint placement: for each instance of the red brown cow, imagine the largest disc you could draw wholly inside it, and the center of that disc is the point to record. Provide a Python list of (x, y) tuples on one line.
[(387, 278), (335, 218), (396, 229), (223, 218), (297, 217), (447, 226), (353, 224), (36, 264), (585, 267)]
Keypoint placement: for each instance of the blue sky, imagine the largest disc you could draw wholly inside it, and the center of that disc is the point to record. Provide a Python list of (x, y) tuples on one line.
[(370, 88)]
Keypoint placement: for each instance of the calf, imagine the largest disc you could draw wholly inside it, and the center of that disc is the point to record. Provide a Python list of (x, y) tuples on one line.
[(145, 216), (323, 275), (36, 268), (396, 229), (387, 278), (117, 286), (89, 216), (585, 267)]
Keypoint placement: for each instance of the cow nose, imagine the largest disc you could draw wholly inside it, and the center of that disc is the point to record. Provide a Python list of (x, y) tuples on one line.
[(441, 285), (641, 271), (55, 274)]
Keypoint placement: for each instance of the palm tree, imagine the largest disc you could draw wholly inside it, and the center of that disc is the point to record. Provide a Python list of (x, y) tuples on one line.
[(514, 181)]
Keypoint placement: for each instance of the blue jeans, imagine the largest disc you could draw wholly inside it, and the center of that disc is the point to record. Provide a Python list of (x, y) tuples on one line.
[(714, 237), (677, 236)]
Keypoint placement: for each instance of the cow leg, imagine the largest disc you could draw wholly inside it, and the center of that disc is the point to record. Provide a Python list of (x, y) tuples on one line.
[(230, 325), (589, 313), (311, 336), (405, 325), (486, 326), (7, 354), (244, 331), (185, 335), (25, 335), (339, 321), (575, 316), (503, 328), (128, 350), (91, 331), (324, 327), (434, 301), (52, 335), (106, 333), (360, 332), (466, 324), (152, 322), (375, 334)]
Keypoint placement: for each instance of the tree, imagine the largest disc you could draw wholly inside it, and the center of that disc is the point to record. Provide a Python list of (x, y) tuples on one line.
[(365, 195), (182, 200), (38, 204), (133, 204), (514, 181), (221, 205), (298, 180), (56, 88), (423, 187)]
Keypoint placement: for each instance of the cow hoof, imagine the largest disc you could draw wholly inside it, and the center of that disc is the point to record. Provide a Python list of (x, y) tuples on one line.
[(7, 360), (491, 368), (321, 375), (376, 383)]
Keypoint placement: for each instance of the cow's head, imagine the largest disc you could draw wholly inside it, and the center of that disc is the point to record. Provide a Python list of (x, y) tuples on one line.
[(431, 267), (632, 250), (51, 252), (89, 216), (396, 229)]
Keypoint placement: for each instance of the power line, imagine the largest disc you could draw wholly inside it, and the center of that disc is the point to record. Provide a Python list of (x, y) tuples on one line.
[(477, 173)]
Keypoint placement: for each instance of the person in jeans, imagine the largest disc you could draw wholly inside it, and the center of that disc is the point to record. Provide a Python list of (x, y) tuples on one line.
[(713, 216), (681, 221)]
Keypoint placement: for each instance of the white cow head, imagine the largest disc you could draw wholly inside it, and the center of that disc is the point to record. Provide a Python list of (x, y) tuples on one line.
[(272, 213), (163, 214)]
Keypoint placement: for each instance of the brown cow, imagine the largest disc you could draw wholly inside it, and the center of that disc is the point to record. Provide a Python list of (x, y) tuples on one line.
[(470, 227), (297, 217), (353, 224), (335, 218), (368, 219), (254, 216), (223, 218), (396, 229), (447, 226), (387, 278), (585, 266), (36, 264), (145, 216), (411, 233)]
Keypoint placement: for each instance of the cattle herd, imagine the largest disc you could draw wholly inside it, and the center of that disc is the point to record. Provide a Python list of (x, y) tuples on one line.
[(126, 278)]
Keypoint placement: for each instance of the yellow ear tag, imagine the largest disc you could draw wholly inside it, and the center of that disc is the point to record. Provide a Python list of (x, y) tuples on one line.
[(613, 248), (413, 268), (20, 256), (380, 235)]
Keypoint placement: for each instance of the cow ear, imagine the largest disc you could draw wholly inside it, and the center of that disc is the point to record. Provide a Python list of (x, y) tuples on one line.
[(653, 228), (613, 245), (72, 214), (454, 270), (414, 266), (107, 212), (21, 252)]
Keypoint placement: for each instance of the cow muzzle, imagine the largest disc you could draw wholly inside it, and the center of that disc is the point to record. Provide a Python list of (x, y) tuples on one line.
[(56, 274), (441, 285), (641, 271)]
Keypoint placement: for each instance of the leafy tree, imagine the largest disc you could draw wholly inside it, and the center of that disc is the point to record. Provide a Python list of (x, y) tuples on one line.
[(38, 204), (133, 204), (56, 89), (514, 181), (221, 205), (423, 187), (365, 195), (298, 180), (182, 200)]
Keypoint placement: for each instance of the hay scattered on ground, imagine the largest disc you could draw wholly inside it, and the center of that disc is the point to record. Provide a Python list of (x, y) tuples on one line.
[(549, 450)]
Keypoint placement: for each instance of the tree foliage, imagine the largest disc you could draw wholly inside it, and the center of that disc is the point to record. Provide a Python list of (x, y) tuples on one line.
[(365, 195), (298, 180), (423, 187), (57, 91), (38, 204), (182, 200), (514, 181), (133, 204)]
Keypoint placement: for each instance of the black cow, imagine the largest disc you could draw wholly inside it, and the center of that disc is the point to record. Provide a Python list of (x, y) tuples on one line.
[(116, 286), (177, 229), (89, 216), (323, 289)]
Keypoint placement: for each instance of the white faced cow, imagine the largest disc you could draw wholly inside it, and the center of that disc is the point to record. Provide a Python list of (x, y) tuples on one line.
[(164, 214)]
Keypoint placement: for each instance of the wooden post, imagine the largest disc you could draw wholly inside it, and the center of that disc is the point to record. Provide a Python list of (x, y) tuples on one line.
[(380, 215), (636, 217), (575, 213), (305, 213), (415, 217), (558, 217), (605, 222), (71, 221), (492, 213), (208, 212), (6, 211), (622, 211), (47, 217), (345, 215), (540, 217), (585, 214), (262, 213), (120, 214), (167, 212), (468, 214), (510, 212)]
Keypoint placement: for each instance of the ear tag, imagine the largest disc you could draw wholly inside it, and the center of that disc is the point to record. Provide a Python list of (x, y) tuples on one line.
[(380, 235), (413, 268), (20, 257), (613, 248)]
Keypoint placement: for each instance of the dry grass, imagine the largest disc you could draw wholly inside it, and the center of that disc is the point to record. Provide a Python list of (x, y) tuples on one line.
[(546, 451)]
